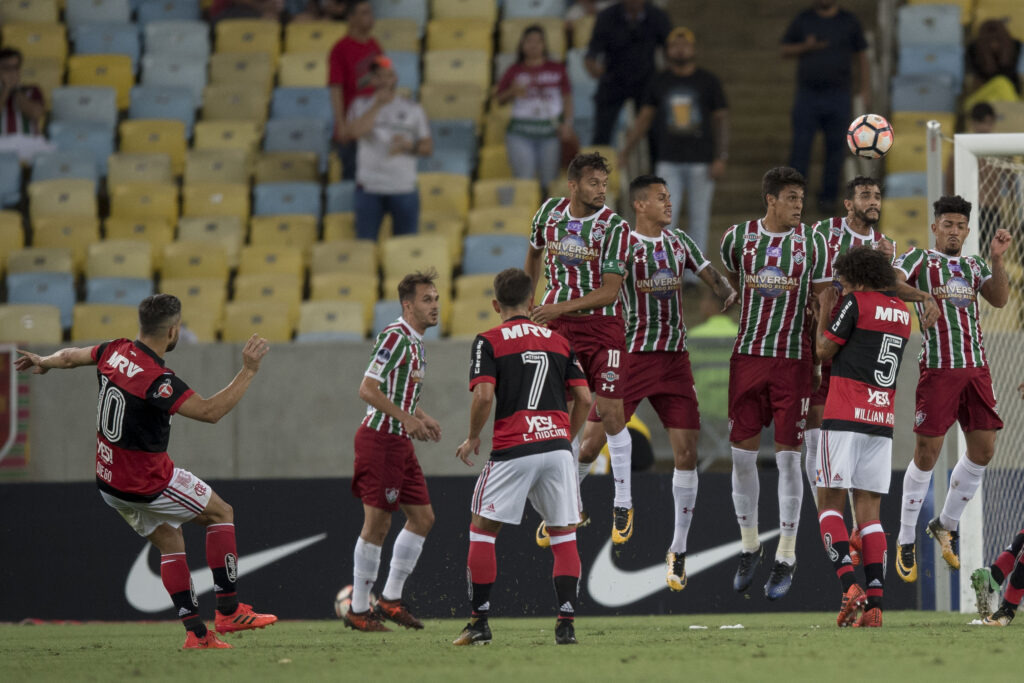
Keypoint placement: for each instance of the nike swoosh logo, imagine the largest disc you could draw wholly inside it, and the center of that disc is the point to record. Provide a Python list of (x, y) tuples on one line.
[(145, 591), (613, 587)]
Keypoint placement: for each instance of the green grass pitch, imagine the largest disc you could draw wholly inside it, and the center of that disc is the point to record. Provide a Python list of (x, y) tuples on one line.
[(912, 646)]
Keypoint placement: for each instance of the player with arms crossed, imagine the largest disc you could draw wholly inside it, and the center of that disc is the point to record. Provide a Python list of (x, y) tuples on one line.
[(526, 370), (775, 263), (387, 474), (138, 395), (865, 342), (658, 362), (581, 244), (955, 384)]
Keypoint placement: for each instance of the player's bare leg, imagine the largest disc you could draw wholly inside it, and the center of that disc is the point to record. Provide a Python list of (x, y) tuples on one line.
[(746, 490), (404, 556), (915, 487), (790, 493), (366, 563), (684, 496)]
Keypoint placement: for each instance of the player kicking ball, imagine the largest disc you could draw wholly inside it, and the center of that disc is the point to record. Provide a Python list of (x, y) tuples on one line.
[(526, 370), (135, 476), (865, 341)]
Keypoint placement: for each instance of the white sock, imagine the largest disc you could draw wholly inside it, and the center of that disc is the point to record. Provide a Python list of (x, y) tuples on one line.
[(575, 446), (583, 469), (791, 496), (811, 437), (684, 493), (403, 560), (786, 551), (366, 560), (915, 488), (963, 484), (620, 450), (746, 489)]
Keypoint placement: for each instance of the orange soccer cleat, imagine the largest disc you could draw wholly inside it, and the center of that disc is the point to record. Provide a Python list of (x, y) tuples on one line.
[(855, 547), (208, 642), (396, 611), (364, 621), (850, 611), (870, 619), (243, 619)]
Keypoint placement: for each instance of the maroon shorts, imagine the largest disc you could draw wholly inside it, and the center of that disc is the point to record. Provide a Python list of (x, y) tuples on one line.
[(600, 345), (821, 393), (387, 473), (964, 395), (665, 379), (762, 389)]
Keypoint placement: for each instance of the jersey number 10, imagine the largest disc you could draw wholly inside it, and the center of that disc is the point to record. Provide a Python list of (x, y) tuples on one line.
[(110, 411)]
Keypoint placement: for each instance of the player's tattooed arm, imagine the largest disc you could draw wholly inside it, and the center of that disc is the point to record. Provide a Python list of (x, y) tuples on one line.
[(996, 289), (725, 292), (907, 292), (825, 347), (479, 411), (64, 359)]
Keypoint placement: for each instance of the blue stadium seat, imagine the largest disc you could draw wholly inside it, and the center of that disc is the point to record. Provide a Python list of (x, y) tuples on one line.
[(933, 59), (388, 311), (909, 184), (80, 12), (164, 102), (283, 198), (10, 179), (933, 92), (84, 103), (94, 137), (302, 103), (178, 38), (446, 161), (167, 10), (533, 8), (341, 197), (402, 9), (117, 290), (407, 68), (54, 289), (64, 164), (454, 135), (108, 39), (299, 135), (176, 71), (929, 25), (492, 253)]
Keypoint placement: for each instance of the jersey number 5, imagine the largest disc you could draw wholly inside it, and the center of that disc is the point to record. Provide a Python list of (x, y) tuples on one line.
[(110, 411), (888, 359), (540, 375)]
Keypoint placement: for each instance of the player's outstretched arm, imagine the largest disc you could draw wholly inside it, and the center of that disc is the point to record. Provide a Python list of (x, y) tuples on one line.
[(220, 404), (479, 411), (598, 298), (718, 284), (580, 409), (70, 357), (996, 289)]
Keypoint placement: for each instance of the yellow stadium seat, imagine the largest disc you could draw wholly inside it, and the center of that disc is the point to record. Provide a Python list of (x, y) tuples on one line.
[(493, 163), (12, 235), (345, 287), (313, 36), (448, 101), (45, 72), (506, 192), (202, 324), (227, 231), (40, 260), (302, 70), (475, 286), (234, 102), (157, 232), (271, 288), (69, 232), (195, 260), (99, 322), (610, 155), (216, 166), (62, 197), (910, 153), (447, 227), (444, 288), (471, 316), (444, 192), (268, 258), (581, 31), (139, 167), (339, 226), (480, 9), (510, 31), (37, 40), (227, 134), (323, 320), (345, 256), (501, 220), (248, 35), (274, 167), (397, 35), (110, 71), (408, 253), (254, 69), (156, 136), (120, 258), (203, 297), (216, 199), (1009, 117), (906, 220), (145, 200), (270, 320), (31, 11), (460, 33), (30, 324), (291, 230), (496, 125), (457, 66)]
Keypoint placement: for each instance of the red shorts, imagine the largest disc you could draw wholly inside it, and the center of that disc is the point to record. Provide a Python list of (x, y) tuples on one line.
[(387, 473), (763, 388), (821, 393), (964, 395), (664, 378), (600, 345)]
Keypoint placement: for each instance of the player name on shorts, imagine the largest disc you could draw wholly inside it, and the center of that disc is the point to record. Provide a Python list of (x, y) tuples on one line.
[(524, 329), (882, 417)]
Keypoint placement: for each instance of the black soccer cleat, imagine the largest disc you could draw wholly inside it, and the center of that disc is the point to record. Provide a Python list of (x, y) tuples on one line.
[(779, 581), (565, 633), (476, 632), (745, 572)]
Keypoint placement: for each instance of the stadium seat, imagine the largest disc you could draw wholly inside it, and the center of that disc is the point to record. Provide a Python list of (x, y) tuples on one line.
[(929, 25), (30, 324), (229, 134), (254, 69), (457, 66), (198, 294), (440, 192), (216, 199), (227, 231), (98, 104), (397, 34), (341, 197), (299, 135), (28, 11), (481, 9), (357, 257), (534, 8), (157, 232), (339, 226), (45, 72), (455, 135), (201, 324), (313, 37), (40, 260), (156, 136), (36, 40), (216, 166), (286, 167), (496, 125), (42, 276), (493, 253), (501, 220), (105, 71), (460, 33), (415, 10), (108, 39), (171, 39), (284, 230), (302, 103), (506, 192), (388, 311), (1009, 115), (931, 92), (175, 71), (493, 163), (302, 70), (405, 254), (479, 285), (906, 220), (64, 164), (10, 178), (234, 102), (194, 260), (139, 200), (131, 259), (321, 321), (242, 319), (93, 138), (149, 11), (344, 286), (472, 316), (453, 101), (79, 12), (249, 35), (912, 151), (73, 197), (125, 291), (74, 233), (899, 185), (139, 168), (268, 258), (933, 59), (271, 288), (407, 69), (446, 161), (276, 198), (99, 322), (12, 236), (164, 102), (510, 31)]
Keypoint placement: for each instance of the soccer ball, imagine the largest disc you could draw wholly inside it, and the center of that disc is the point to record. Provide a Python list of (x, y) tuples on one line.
[(870, 136), (343, 600)]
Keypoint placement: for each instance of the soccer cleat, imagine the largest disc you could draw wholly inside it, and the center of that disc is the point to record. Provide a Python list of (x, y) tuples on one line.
[(870, 619), (906, 562), (949, 542), (476, 632), (676, 578), (985, 588), (855, 547), (745, 572), (565, 633), (852, 606), (544, 540), (208, 642), (1002, 617), (779, 581), (364, 621), (622, 525), (243, 619), (397, 612)]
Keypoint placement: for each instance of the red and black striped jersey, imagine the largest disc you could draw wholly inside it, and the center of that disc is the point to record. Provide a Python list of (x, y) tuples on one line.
[(872, 328), (531, 368), (137, 397)]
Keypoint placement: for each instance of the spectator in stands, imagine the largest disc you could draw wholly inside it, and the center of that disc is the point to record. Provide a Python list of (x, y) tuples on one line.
[(992, 60), (392, 131), (349, 77), (538, 89), (23, 106), (584, 8), (825, 40), (246, 9), (685, 105), (621, 55)]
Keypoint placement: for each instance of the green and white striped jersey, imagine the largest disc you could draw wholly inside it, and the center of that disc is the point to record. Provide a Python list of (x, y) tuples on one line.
[(398, 364)]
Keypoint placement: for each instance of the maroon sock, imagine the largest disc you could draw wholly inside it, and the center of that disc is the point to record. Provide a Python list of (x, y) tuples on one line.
[(222, 557), (177, 581)]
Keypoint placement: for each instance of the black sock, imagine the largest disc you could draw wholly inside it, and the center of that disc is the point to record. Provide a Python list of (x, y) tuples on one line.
[(875, 575), (481, 600), (848, 579), (567, 591), (188, 612), (227, 593)]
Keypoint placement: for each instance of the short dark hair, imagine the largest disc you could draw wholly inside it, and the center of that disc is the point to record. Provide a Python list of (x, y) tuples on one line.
[(512, 287), (982, 111), (581, 162), (158, 311), (532, 28), (641, 183), (778, 178), (867, 267), (407, 287), (951, 204), (8, 52), (861, 181)]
